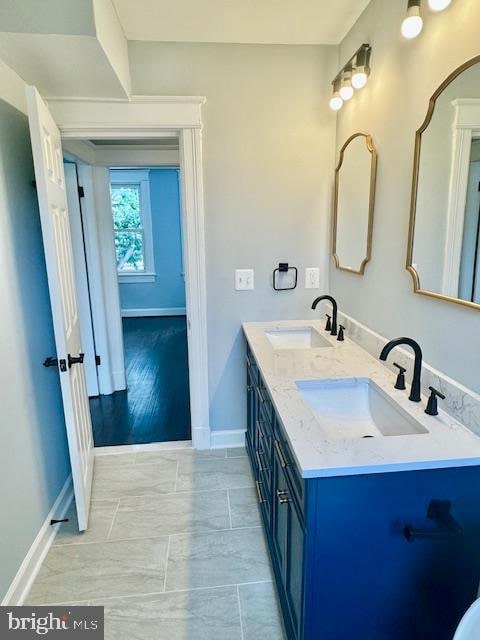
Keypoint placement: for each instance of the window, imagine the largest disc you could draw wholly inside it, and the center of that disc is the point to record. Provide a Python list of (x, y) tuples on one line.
[(132, 226)]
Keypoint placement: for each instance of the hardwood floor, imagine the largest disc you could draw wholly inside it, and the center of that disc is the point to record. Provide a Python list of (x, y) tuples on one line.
[(156, 405)]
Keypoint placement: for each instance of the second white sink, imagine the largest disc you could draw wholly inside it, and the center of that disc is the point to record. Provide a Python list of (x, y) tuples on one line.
[(356, 408), (301, 338)]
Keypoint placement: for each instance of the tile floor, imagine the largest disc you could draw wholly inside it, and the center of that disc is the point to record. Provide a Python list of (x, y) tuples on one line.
[(175, 550)]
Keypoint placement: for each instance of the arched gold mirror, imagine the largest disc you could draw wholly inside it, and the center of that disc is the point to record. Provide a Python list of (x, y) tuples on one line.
[(354, 203), (443, 254)]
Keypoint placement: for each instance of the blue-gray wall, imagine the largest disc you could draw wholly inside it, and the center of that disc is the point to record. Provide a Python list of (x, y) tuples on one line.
[(168, 290), (34, 461)]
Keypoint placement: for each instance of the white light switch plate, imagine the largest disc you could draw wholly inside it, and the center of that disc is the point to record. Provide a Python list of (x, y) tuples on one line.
[(312, 278), (244, 279)]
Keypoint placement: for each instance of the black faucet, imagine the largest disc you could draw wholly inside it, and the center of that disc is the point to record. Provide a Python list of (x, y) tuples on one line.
[(415, 395), (333, 331)]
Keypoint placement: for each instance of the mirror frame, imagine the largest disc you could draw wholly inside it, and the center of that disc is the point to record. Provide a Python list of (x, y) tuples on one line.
[(415, 179), (371, 205)]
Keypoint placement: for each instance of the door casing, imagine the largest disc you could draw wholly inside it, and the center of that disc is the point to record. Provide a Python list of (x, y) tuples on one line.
[(153, 117)]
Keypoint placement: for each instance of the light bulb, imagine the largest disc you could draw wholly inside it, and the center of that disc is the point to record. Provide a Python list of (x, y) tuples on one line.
[(438, 5), (346, 92), (336, 103), (359, 78), (346, 89), (413, 23)]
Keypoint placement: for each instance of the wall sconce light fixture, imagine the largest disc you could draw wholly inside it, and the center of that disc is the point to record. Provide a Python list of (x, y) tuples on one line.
[(354, 75)]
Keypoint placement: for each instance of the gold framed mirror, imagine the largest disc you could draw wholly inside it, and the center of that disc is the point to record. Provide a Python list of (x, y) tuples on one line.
[(354, 203), (443, 253)]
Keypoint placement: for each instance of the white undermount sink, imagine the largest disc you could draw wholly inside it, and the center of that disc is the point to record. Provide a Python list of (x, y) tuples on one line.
[(296, 338), (357, 408)]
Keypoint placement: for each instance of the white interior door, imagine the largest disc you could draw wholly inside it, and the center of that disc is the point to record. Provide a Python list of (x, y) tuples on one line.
[(52, 198), (81, 277)]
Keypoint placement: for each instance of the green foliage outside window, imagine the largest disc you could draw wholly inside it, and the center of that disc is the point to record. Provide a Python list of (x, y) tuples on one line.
[(127, 224)]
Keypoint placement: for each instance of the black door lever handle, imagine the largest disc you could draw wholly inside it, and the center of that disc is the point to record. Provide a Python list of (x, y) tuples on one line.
[(55, 362), (75, 360)]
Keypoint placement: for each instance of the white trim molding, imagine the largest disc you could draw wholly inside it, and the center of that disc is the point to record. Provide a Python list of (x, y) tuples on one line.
[(26, 574), (154, 312), (228, 438), (466, 126), (153, 117)]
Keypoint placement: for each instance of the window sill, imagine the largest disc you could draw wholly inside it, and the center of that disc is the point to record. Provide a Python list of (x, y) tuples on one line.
[(135, 278)]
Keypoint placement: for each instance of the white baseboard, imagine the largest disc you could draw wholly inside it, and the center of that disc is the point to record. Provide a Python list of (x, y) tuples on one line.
[(32, 562), (160, 311), (232, 438), (138, 448), (119, 380)]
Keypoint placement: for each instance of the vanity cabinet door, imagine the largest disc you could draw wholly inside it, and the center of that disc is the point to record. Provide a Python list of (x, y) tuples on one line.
[(288, 542), (294, 577), (280, 514)]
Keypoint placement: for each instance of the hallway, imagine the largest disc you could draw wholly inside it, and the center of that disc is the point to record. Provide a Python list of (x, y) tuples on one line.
[(156, 405), (175, 550)]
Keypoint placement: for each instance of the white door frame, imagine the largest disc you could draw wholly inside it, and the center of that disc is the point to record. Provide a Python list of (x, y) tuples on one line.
[(81, 277), (465, 128), (150, 117)]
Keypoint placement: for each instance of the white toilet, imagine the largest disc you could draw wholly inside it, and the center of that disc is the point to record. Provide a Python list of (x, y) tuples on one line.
[(469, 627)]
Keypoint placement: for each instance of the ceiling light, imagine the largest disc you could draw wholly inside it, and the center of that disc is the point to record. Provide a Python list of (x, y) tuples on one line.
[(438, 5), (346, 89), (413, 23), (361, 71), (336, 101)]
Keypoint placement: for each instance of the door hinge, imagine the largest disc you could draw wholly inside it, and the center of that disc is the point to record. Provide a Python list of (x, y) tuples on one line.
[(81, 192), (98, 360)]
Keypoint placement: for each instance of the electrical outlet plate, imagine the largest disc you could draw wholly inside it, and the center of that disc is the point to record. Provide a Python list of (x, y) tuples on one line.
[(244, 279), (312, 278)]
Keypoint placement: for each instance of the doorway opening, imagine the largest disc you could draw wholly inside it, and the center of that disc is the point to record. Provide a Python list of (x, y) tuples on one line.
[(134, 269)]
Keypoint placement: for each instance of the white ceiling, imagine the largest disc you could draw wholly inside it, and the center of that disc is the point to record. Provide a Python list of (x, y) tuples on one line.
[(239, 21)]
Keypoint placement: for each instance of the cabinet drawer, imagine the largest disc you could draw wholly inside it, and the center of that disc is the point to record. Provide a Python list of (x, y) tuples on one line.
[(263, 456), (264, 403), (264, 499), (287, 461), (252, 366)]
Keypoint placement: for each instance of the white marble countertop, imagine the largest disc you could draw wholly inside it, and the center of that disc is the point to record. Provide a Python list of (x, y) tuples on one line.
[(447, 443)]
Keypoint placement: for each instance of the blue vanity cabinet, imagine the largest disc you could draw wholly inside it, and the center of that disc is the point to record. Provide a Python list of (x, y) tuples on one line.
[(343, 566)]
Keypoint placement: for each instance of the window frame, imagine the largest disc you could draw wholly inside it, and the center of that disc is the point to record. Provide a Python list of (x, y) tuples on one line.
[(140, 178)]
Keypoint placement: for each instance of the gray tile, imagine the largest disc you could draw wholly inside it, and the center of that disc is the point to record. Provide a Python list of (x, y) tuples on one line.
[(114, 460), (172, 513), (204, 614), (86, 571), (229, 473), (99, 523), (244, 507), (134, 480), (214, 559), (260, 612), (236, 452), (169, 455)]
